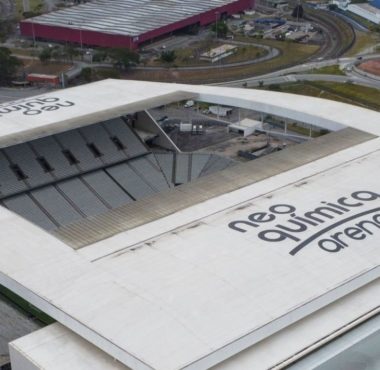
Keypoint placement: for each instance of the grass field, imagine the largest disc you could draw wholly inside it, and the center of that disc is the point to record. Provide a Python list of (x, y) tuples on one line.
[(328, 70), (35, 5), (345, 93), (190, 56), (23, 52), (291, 53), (359, 19), (364, 41)]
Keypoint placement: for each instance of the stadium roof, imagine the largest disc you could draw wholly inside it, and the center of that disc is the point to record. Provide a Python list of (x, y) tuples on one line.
[(132, 17), (198, 286), (66, 109)]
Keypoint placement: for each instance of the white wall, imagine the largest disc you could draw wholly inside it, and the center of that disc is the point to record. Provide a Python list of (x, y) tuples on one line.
[(19, 361), (375, 18)]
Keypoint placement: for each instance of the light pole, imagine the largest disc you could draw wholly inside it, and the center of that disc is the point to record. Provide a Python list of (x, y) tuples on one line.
[(80, 34), (34, 35), (216, 25), (80, 37)]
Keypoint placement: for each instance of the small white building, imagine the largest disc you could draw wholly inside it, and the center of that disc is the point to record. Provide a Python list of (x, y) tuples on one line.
[(246, 126), (219, 53), (220, 111)]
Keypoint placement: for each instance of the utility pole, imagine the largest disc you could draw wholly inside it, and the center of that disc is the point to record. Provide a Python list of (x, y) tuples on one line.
[(216, 25), (26, 5), (34, 34)]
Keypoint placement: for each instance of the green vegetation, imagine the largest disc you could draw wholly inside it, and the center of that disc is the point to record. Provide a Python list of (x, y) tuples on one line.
[(26, 306), (191, 55), (121, 58), (8, 66), (291, 53), (360, 20), (23, 52), (346, 93), (65, 53), (96, 74), (295, 127), (6, 27), (86, 74), (361, 95), (363, 41), (53, 68), (328, 70), (45, 55), (244, 53), (168, 56), (36, 7), (220, 29)]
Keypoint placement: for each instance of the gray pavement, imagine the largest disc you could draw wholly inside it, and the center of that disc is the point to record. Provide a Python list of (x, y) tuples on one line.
[(294, 74), (10, 94), (13, 324), (355, 79)]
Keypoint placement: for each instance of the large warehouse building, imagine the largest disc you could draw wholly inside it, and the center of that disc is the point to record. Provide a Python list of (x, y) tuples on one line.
[(127, 23), (152, 259)]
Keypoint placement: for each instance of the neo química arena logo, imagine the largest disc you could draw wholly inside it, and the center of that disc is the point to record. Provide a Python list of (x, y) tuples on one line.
[(35, 106), (345, 220)]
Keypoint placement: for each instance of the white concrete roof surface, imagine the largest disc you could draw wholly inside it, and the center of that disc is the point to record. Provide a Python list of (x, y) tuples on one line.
[(187, 291), (57, 348), (61, 110), (199, 293), (366, 7)]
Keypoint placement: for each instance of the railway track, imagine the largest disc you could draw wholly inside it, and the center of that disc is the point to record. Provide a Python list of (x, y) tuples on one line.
[(339, 35)]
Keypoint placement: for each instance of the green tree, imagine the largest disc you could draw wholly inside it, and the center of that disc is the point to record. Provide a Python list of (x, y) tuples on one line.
[(220, 28), (6, 28), (123, 57), (168, 56), (86, 74), (30, 14), (100, 55), (70, 52), (45, 55), (8, 66), (275, 87), (374, 28)]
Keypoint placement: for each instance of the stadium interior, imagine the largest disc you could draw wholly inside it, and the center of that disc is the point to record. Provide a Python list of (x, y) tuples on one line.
[(60, 179)]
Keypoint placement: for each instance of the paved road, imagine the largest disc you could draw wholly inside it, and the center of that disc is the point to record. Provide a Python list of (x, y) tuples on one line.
[(355, 79), (347, 63), (292, 74), (13, 324), (9, 94)]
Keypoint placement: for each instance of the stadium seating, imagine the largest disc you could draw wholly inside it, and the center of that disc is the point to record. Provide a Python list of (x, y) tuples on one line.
[(63, 178)]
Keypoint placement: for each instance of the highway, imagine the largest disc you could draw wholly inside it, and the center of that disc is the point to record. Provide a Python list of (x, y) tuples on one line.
[(291, 74), (294, 74)]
